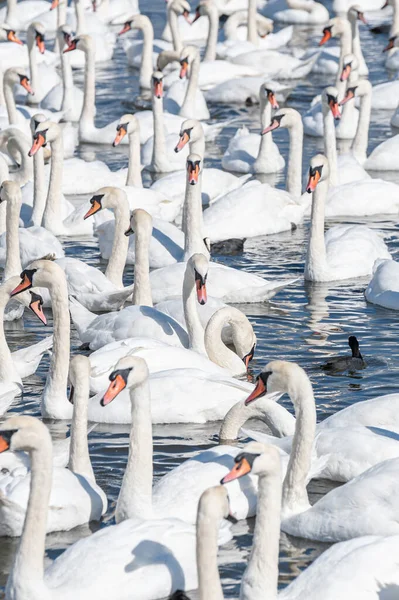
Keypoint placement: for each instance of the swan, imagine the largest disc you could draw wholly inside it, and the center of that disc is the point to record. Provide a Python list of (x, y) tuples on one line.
[(158, 154), (259, 209), (179, 27), (15, 115), (346, 251), (383, 289), (21, 14), (43, 77), (75, 498), (296, 11), (22, 245), (250, 153), (17, 144), (382, 158), (392, 60), (343, 513), (168, 561), (353, 568)]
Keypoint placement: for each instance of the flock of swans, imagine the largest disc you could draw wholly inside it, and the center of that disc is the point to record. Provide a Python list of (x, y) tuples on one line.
[(170, 348)]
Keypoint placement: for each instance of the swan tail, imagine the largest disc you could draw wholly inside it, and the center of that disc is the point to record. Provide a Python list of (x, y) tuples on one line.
[(104, 302), (28, 359), (80, 316)]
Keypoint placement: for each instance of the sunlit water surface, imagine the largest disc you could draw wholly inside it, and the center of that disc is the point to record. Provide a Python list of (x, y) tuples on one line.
[(304, 323)]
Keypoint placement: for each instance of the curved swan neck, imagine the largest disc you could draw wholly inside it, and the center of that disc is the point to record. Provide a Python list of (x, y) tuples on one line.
[(18, 143), (79, 458), (174, 28), (134, 166), (294, 172), (135, 496), (89, 99), (142, 295), (13, 261), (193, 221), (188, 107), (12, 112), (217, 351), (316, 261), (28, 569), (209, 585), (213, 16), (193, 323), (295, 497), (52, 213), (330, 146), (239, 17), (54, 402), (146, 66), (360, 143), (120, 245), (39, 188), (252, 33)]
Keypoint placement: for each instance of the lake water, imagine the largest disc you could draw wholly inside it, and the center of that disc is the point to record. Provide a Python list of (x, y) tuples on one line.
[(304, 323)]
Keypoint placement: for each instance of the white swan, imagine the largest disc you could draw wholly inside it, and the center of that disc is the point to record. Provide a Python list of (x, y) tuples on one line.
[(75, 497), (43, 77), (17, 116), (382, 158), (347, 569), (296, 11), (251, 153), (383, 288), (346, 251), (343, 513), (166, 547), (21, 14), (259, 209), (179, 27)]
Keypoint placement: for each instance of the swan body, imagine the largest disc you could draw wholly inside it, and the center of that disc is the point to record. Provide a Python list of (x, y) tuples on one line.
[(244, 89), (20, 15), (382, 157), (383, 289), (284, 65), (292, 11)]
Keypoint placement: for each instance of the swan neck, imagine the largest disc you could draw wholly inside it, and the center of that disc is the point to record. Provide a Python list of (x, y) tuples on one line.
[(80, 18), (194, 327), (265, 140), (174, 29), (142, 295), (252, 32), (395, 20), (193, 227), (89, 99), (34, 73), (360, 143), (330, 145), (158, 153), (39, 188), (210, 51), (260, 578), (12, 112), (79, 458), (134, 167), (295, 497), (67, 82), (120, 245), (316, 261), (217, 351), (345, 42), (11, 14), (146, 67), (209, 585), (28, 569), (188, 106), (13, 261), (52, 213), (54, 400), (135, 496), (8, 371), (294, 173)]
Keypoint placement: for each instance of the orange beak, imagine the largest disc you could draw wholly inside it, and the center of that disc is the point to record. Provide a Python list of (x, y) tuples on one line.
[(40, 43), (193, 173), (313, 181), (114, 388), (326, 36), (201, 291), (36, 307), (125, 29), (362, 18), (95, 207), (183, 140), (24, 285), (272, 100), (260, 390), (183, 69), (38, 142), (239, 470), (350, 93), (121, 132), (334, 106), (25, 84), (11, 36), (248, 357), (71, 46), (54, 4), (346, 71), (273, 125), (4, 445), (158, 89)]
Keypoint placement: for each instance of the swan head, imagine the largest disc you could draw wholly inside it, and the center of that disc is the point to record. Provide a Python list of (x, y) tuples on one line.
[(41, 273), (267, 94), (187, 56), (213, 504), (7, 34), (318, 171), (35, 35), (46, 132), (14, 76), (335, 28), (329, 99), (105, 197), (392, 43), (10, 192), (363, 87), (285, 117), (81, 42), (157, 83), (24, 433), (194, 168), (350, 64), (180, 7), (137, 21), (64, 35), (355, 13), (191, 131), (79, 370), (36, 120), (129, 372), (127, 125), (255, 458), (204, 9), (197, 268), (140, 220), (279, 377)]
